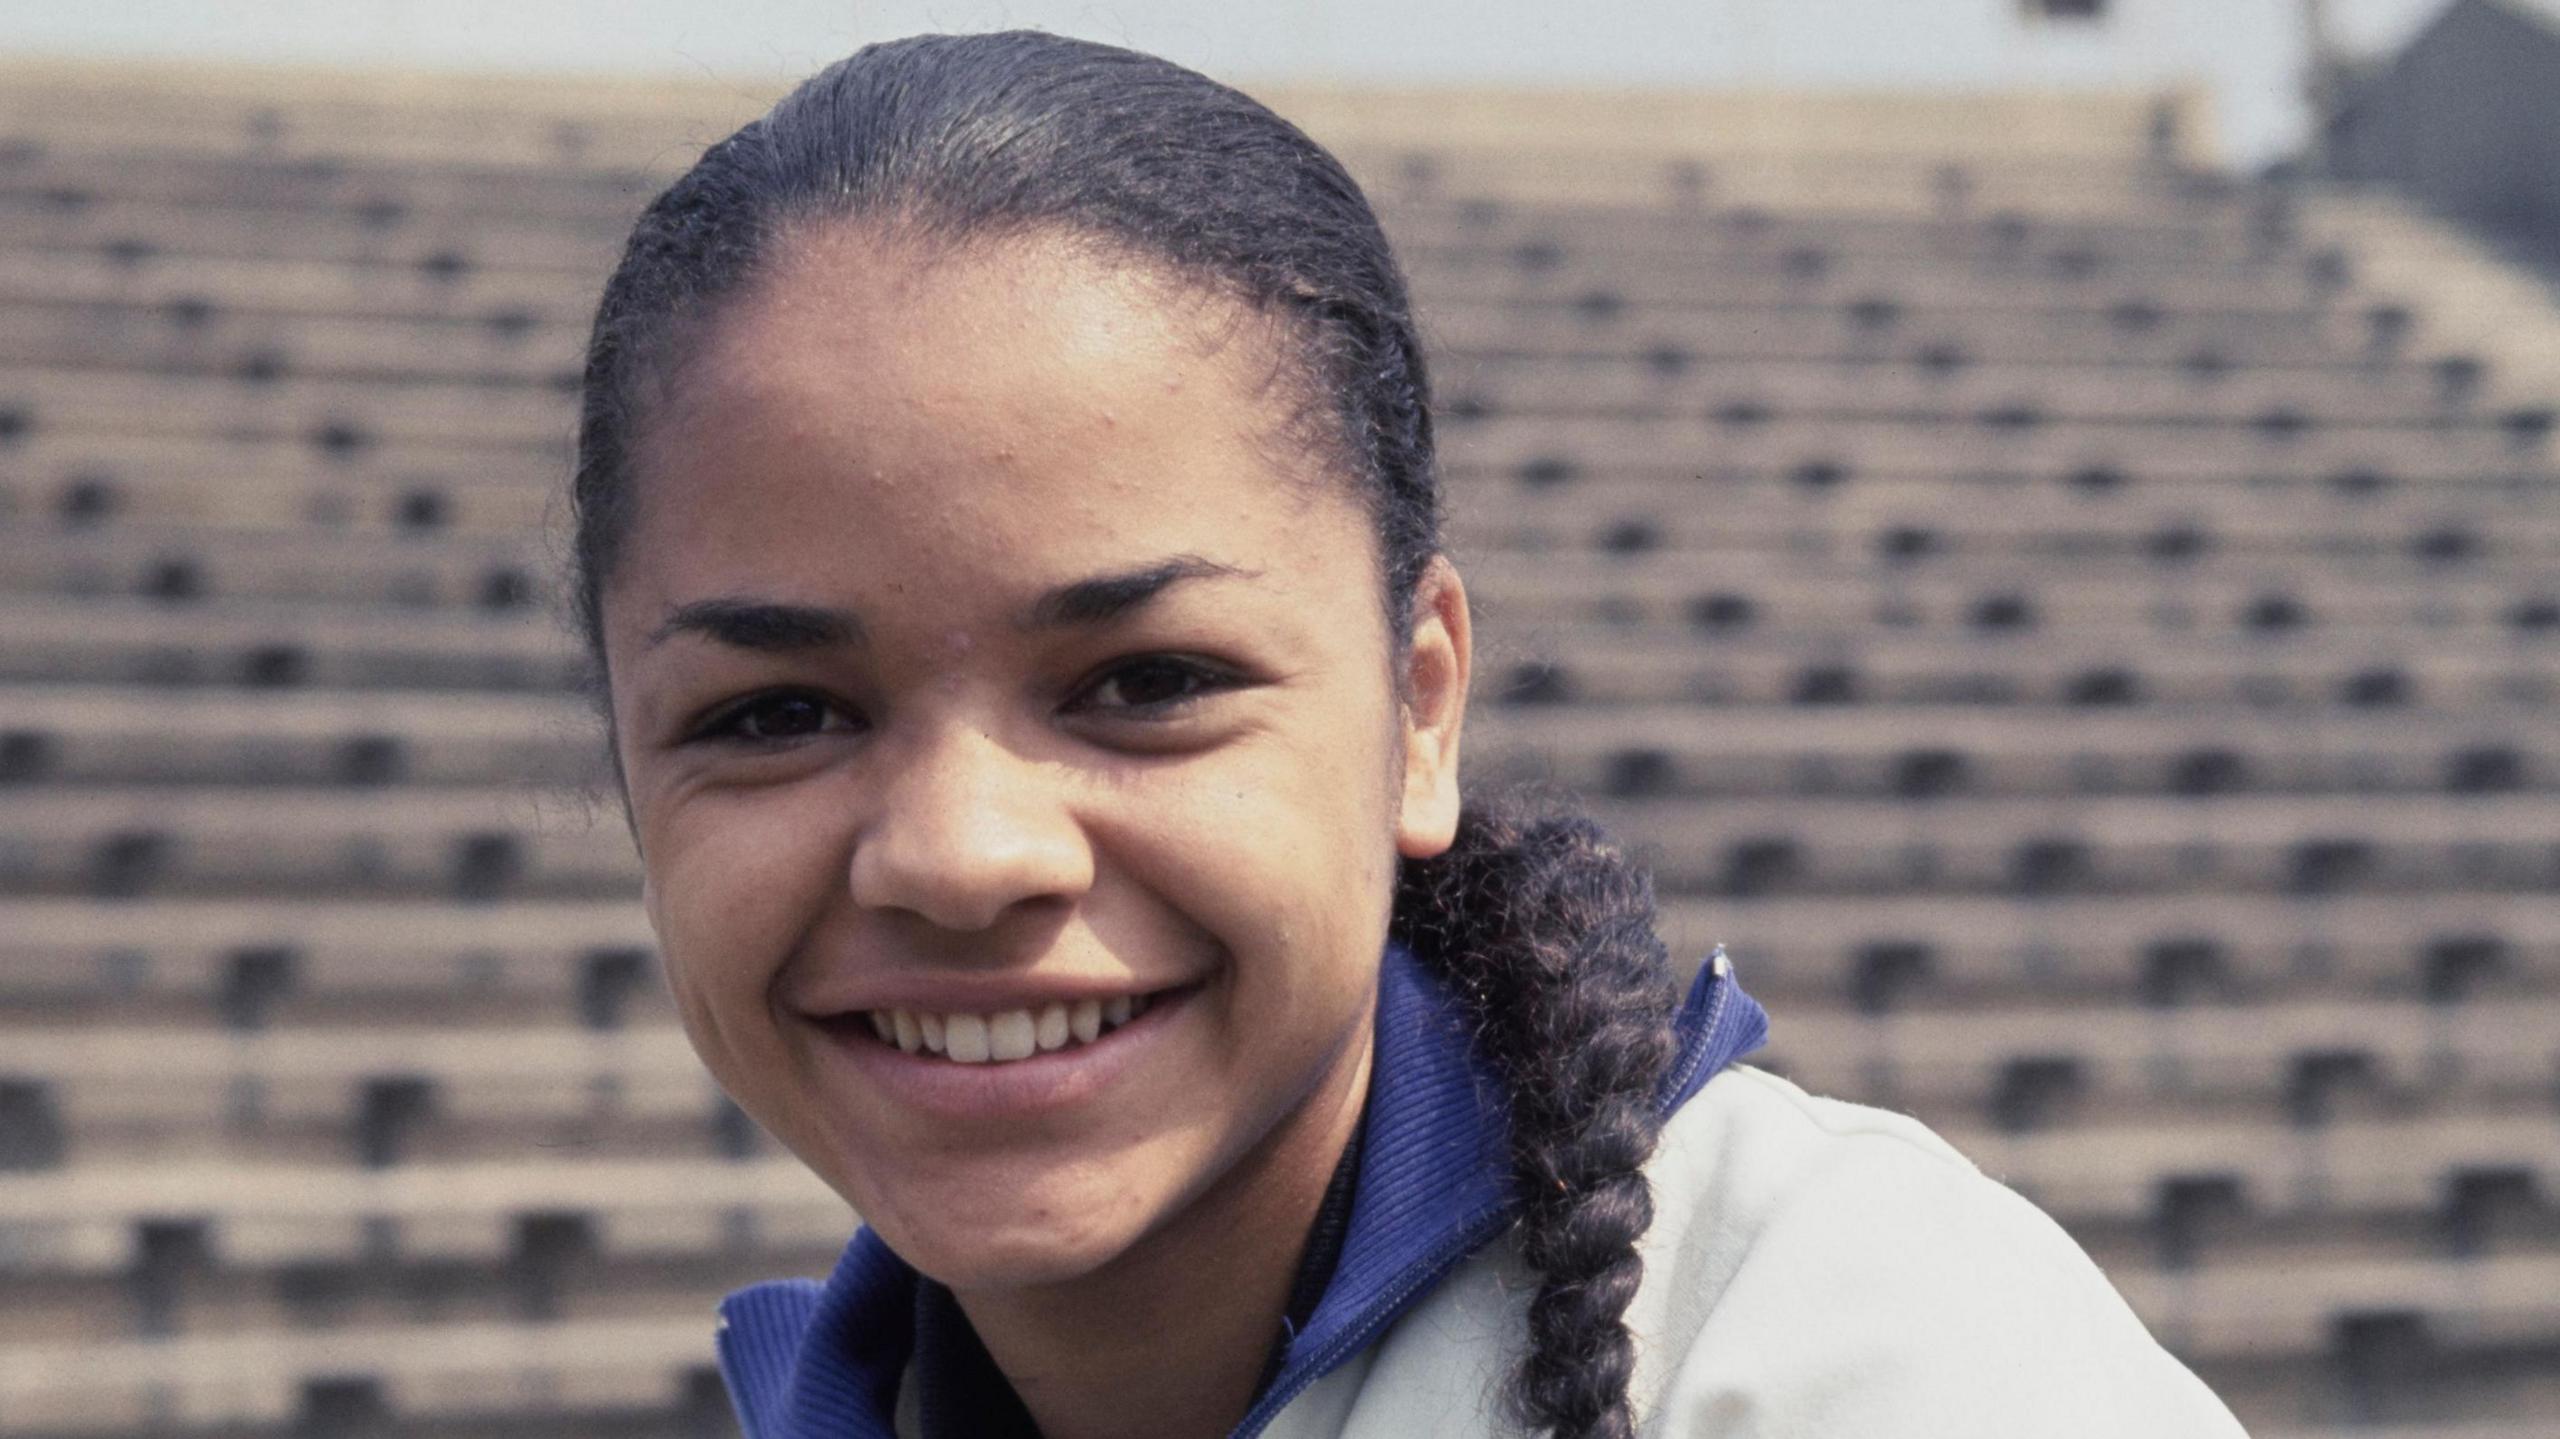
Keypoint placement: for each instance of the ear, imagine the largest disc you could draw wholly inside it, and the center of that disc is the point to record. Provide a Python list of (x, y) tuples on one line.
[(1436, 670)]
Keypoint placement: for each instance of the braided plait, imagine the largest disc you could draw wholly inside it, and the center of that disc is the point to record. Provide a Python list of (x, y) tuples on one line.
[(1546, 933)]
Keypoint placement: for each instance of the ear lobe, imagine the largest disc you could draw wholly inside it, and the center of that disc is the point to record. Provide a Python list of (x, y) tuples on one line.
[(1437, 667)]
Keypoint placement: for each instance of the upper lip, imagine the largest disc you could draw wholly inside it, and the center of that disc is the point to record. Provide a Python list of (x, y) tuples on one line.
[(946, 994)]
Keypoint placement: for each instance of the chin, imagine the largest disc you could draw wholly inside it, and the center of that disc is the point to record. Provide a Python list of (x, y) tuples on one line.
[(978, 1220), (1024, 1246)]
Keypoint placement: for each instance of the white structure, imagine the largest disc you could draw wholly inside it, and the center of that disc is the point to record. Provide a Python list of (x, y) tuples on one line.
[(2246, 53)]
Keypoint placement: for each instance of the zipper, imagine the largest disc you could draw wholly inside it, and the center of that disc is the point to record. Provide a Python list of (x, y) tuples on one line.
[(724, 1349), (1470, 1236), (1708, 1032)]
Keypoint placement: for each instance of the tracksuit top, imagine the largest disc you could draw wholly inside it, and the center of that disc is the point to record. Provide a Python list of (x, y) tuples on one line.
[(1814, 1268)]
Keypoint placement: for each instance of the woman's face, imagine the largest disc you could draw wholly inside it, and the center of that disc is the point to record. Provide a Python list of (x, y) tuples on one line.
[(993, 672)]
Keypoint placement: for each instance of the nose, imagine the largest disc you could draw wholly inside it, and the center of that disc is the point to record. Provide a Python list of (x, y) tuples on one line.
[(964, 832)]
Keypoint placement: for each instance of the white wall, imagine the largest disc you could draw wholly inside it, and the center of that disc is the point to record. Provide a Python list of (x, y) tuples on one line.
[(2248, 51)]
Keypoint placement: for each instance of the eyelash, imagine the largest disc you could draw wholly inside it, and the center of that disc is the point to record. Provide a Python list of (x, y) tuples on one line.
[(1205, 679), (728, 724)]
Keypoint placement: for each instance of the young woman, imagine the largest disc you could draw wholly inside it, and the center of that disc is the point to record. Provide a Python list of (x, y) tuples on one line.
[(1007, 530)]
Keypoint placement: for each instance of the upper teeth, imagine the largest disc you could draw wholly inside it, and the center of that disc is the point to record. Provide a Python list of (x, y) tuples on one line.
[(1007, 1035)]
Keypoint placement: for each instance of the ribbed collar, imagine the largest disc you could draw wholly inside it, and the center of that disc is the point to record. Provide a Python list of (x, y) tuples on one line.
[(811, 1361)]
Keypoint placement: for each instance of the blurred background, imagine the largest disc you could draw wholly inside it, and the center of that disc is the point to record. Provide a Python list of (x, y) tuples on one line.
[(2038, 516)]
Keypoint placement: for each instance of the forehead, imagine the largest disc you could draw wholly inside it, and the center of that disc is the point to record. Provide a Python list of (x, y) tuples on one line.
[(1024, 406)]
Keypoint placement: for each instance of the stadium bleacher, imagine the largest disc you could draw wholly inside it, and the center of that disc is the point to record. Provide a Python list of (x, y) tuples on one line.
[(2089, 649)]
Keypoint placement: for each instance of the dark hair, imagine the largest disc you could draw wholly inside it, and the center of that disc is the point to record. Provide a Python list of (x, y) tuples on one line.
[(1544, 932)]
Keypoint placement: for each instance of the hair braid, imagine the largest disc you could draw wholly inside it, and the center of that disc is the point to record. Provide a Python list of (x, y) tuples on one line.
[(1546, 933)]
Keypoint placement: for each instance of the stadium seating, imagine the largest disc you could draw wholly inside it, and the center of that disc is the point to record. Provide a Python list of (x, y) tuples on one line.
[(2088, 651)]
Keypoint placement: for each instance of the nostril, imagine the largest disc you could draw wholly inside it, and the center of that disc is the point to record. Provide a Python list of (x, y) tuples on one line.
[(969, 839)]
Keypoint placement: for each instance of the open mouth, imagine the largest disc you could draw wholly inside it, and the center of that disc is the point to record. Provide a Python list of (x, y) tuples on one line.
[(1005, 1036)]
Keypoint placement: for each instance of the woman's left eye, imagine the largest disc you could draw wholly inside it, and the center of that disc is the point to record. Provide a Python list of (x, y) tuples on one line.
[(1156, 683)]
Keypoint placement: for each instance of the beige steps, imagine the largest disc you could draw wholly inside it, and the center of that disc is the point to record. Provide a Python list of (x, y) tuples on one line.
[(1885, 950), (2276, 596), (71, 735), (457, 1371), (2306, 845), (478, 844), (2043, 1065), (268, 644), (565, 962), (74, 735)]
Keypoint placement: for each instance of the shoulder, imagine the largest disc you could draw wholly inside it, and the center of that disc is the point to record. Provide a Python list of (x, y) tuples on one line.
[(1814, 1268), (1824, 1267)]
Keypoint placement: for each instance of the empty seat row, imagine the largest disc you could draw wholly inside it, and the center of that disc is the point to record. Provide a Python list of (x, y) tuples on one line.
[(110, 642), (448, 334), (480, 416), (88, 735), (190, 498), (477, 845), (1558, 665), (2100, 514), (70, 735), (106, 641), (2306, 1061), (2424, 513), (315, 161), (1737, 649), (2281, 596), (2016, 437), (588, 961), (464, 570), (2112, 1167), (83, 1217), (138, 234), (371, 1117), (1822, 478), (251, 963), (469, 845), (424, 282), (192, 336), (2238, 226), (1743, 377), (2168, 952), (65, 176), (1788, 261), (2114, 846), (355, 1381), (167, 1093), (372, 119), (1743, 391), (1642, 586), (137, 230), (130, 251)]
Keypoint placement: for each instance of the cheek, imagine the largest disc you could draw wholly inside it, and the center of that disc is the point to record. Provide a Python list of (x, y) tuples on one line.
[(1284, 855), (734, 882)]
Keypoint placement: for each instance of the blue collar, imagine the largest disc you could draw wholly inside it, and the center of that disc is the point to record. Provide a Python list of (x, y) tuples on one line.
[(811, 1361)]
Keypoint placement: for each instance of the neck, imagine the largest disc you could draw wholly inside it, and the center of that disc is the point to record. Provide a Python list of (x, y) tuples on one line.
[(1170, 1338)]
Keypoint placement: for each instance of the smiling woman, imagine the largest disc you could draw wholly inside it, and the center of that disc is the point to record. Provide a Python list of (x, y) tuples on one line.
[(1007, 529)]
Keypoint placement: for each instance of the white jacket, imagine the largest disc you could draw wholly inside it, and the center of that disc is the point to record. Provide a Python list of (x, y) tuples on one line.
[(1815, 1268)]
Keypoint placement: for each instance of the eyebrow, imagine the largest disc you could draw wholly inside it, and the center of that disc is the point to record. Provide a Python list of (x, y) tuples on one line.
[(763, 625), (772, 626), (1105, 598)]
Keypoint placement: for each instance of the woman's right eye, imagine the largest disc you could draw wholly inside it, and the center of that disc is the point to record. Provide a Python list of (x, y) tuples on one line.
[(774, 718)]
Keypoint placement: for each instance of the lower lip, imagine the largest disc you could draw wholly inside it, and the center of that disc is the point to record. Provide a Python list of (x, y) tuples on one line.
[(1053, 1079)]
